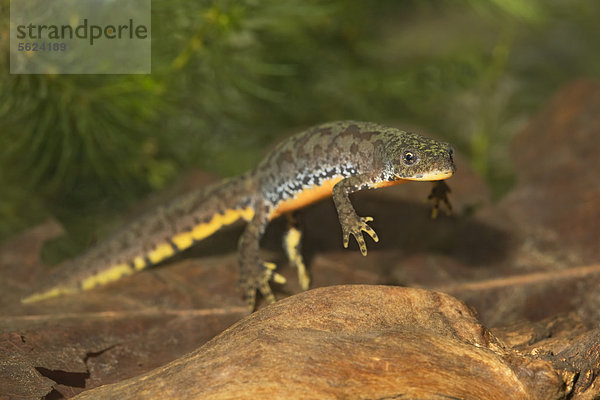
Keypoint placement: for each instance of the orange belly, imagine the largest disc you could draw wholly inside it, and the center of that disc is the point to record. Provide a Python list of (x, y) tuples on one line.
[(316, 193), (306, 197)]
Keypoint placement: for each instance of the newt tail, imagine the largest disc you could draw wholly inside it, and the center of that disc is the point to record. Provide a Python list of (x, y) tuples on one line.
[(167, 230), (329, 160)]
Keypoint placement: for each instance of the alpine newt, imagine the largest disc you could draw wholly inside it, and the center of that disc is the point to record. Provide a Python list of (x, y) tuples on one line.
[(333, 159)]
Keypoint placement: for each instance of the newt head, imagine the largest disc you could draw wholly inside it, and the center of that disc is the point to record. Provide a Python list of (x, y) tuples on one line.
[(416, 158)]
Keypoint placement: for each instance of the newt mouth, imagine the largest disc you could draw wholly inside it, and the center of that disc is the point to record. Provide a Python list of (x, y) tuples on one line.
[(430, 176)]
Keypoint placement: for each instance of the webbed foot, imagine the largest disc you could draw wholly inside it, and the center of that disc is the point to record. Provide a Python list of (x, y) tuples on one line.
[(439, 194), (260, 281), (355, 226)]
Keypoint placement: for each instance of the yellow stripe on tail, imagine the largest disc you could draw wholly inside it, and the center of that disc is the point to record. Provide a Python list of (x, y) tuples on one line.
[(204, 230), (162, 251), (48, 294)]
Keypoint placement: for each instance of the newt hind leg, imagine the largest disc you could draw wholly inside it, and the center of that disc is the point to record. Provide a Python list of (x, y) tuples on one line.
[(254, 273), (291, 244)]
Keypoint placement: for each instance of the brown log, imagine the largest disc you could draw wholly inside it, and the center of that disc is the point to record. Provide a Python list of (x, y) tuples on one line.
[(350, 342)]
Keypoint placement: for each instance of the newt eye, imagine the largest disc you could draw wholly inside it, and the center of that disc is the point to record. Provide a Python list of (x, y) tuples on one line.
[(409, 158)]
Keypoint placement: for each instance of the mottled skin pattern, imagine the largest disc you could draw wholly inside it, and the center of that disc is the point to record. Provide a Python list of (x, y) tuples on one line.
[(333, 159)]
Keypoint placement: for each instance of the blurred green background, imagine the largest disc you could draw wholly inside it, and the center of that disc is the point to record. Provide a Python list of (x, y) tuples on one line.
[(229, 77)]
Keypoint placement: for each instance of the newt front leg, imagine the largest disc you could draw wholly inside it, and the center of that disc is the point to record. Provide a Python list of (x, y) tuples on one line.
[(351, 223), (439, 194)]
